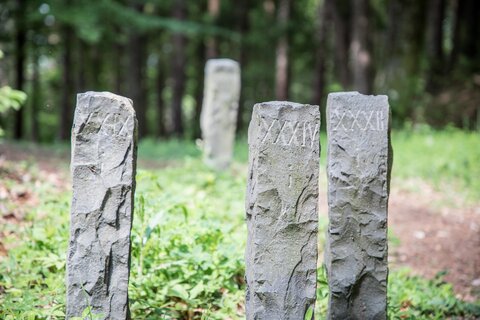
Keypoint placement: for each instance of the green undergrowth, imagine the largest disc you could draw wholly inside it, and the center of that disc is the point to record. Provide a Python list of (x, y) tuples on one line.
[(448, 158), (188, 244)]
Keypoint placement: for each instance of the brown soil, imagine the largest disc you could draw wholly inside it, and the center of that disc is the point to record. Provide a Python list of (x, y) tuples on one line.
[(434, 239), (436, 231)]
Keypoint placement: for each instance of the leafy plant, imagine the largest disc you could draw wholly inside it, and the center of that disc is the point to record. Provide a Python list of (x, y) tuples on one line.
[(10, 99)]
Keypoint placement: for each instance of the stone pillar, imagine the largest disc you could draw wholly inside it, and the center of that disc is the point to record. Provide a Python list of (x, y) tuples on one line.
[(104, 151), (219, 111), (281, 210), (359, 163)]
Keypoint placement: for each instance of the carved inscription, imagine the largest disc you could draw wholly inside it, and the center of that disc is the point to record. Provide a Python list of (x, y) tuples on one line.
[(110, 124), (359, 120), (289, 133), (281, 211), (113, 125)]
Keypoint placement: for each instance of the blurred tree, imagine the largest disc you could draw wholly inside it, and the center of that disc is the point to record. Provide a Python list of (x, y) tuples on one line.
[(435, 19), (179, 42), (137, 76), (213, 12), (341, 23), (360, 52), (323, 23), (282, 59), (20, 46), (242, 8), (66, 114)]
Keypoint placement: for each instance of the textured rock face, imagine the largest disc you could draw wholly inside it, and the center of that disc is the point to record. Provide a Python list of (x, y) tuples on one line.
[(103, 174), (219, 111), (281, 210), (359, 162)]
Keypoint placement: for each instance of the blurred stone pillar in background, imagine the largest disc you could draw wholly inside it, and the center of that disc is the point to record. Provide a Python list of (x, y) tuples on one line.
[(219, 111)]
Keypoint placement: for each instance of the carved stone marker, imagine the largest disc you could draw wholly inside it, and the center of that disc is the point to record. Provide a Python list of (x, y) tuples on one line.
[(281, 210), (359, 163), (219, 111), (104, 147)]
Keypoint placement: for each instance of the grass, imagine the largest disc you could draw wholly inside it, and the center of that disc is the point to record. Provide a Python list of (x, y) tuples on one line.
[(450, 158), (189, 234)]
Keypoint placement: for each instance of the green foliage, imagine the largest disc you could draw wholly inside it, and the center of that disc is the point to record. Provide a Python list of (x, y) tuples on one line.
[(412, 297), (11, 99), (447, 157), (88, 315), (32, 277), (188, 242)]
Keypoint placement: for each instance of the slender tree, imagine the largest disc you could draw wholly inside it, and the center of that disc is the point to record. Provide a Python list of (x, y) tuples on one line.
[(341, 23), (436, 14), (119, 64), (200, 60), (212, 42), (67, 97), (20, 44), (35, 98), (360, 53), (136, 76), (321, 51), (179, 42), (242, 8), (282, 58), (160, 86)]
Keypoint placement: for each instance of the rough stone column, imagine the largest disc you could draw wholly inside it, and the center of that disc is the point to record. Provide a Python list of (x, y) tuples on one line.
[(219, 111), (281, 210), (359, 163), (104, 149)]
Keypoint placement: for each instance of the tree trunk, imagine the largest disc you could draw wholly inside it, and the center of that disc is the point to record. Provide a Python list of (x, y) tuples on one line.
[(66, 114), (243, 27), (436, 13), (136, 75), (82, 66), (20, 43), (160, 83), (35, 99), (282, 63), (96, 66), (360, 54), (212, 44), (459, 6), (341, 40), (321, 52), (179, 42), (199, 90), (472, 24), (417, 14), (119, 69)]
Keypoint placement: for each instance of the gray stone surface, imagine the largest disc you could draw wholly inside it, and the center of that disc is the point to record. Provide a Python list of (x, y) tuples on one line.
[(219, 111), (359, 163), (281, 210), (104, 147)]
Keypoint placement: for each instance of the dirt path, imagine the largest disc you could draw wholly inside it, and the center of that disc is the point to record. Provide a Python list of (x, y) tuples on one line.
[(433, 240), (433, 236)]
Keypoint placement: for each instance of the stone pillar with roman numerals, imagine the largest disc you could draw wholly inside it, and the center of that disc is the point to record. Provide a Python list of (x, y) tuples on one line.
[(281, 210), (358, 170)]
